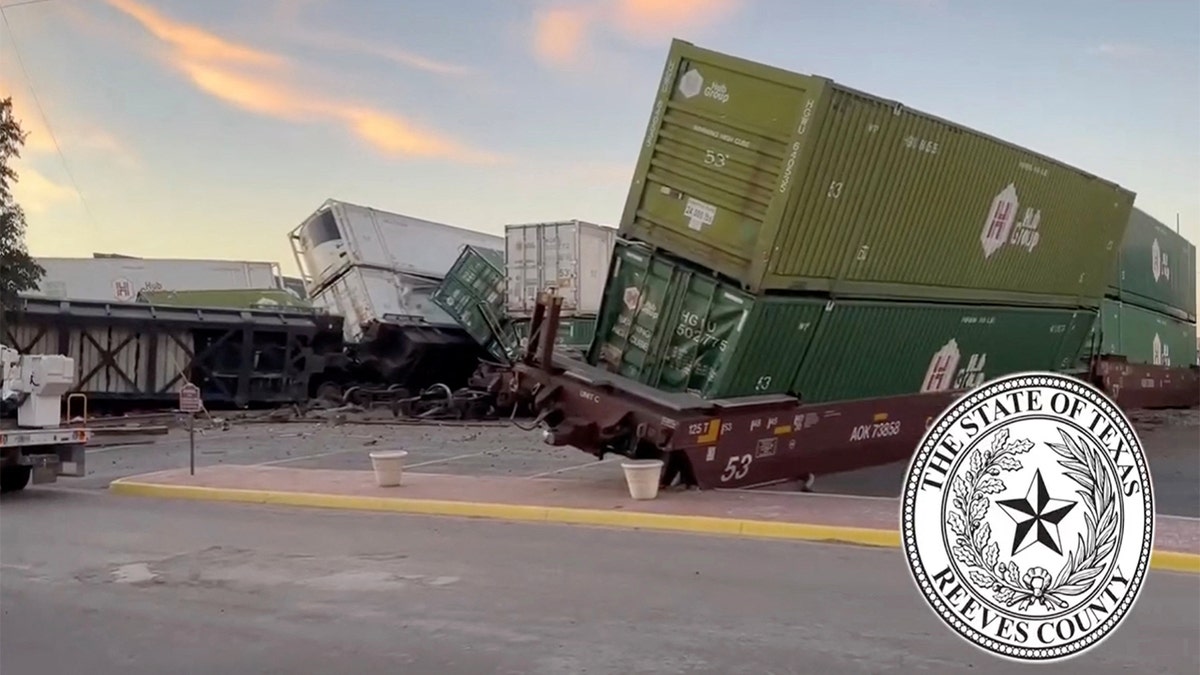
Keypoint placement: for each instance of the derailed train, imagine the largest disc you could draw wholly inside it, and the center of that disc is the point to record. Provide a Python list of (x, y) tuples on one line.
[(761, 440), (764, 319), (804, 284)]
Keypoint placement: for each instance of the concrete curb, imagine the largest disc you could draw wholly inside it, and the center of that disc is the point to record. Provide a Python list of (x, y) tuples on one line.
[(1171, 561)]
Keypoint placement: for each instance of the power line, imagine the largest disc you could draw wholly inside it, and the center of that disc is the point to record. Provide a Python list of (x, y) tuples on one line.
[(41, 111), (19, 4)]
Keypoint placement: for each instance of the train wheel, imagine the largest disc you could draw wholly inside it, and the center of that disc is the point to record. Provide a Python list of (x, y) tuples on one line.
[(329, 391)]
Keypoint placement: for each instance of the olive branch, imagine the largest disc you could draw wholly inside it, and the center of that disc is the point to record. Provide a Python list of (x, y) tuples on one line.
[(1099, 499), (973, 545)]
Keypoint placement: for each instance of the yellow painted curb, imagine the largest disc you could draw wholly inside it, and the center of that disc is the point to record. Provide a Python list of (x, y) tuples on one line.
[(1161, 560)]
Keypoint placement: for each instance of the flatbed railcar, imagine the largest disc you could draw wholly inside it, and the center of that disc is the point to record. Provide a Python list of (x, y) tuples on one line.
[(135, 354), (1141, 386), (742, 442)]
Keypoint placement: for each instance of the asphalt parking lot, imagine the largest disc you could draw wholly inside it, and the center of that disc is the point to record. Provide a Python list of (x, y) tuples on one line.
[(109, 585), (499, 450), (1172, 441)]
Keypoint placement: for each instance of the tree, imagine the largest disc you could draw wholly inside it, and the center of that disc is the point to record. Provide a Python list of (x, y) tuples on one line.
[(18, 270)]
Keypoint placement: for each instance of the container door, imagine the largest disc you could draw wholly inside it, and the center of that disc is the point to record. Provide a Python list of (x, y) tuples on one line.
[(595, 254), (524, 271), (559, 259), (641, 297), (718, 159)]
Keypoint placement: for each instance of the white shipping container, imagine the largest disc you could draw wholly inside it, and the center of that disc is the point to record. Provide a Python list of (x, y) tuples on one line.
[(364, 296), (121, 279), (569, 256), (339, 236)]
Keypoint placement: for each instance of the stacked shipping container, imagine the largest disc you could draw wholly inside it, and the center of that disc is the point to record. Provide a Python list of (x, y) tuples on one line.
[(378, 268), (122, 278), (782, 181), (492, 294), (570, 257), (1148, 316), (786, 234), (473, 294), (1155, 269), (678, 328)]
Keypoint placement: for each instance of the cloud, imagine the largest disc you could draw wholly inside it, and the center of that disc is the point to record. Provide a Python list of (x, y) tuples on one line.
[(652, 20), (287, 17), (258, 81), (336, 41), (36, 193), (1119, 50), (85, 136), (562, 33)]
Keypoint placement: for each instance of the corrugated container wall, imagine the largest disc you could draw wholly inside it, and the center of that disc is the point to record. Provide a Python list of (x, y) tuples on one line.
[(574, 333), (340, 235), (569, 256), (367, 296), (678, 328), (865, 349), (473, 295), (783, 181), (1146, 337), (121, 279), (1156, 268)]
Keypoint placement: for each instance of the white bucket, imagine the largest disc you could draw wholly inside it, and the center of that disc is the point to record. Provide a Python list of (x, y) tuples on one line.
[(642, 476), (389, 467)]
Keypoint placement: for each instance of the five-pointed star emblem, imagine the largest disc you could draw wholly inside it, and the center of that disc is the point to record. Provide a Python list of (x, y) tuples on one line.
[(1037, 516)]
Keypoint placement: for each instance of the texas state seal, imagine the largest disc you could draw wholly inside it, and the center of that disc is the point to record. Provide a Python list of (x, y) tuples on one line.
[(1028, 517)]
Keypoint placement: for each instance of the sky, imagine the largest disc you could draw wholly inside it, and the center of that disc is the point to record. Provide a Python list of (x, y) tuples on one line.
[(179, 128)]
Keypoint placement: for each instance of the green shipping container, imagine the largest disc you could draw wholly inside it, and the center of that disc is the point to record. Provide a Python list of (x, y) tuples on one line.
[(865, 349), (574, 332), (472, 293), (678, 328), (784, 181), (1144, 336), (235, 298), (1090, 346), (1156, 268)]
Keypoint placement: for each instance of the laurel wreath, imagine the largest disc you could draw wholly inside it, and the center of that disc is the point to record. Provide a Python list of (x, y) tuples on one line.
[(973, 545)]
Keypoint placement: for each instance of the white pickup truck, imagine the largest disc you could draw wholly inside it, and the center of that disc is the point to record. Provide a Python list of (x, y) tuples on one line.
[(35, 446)]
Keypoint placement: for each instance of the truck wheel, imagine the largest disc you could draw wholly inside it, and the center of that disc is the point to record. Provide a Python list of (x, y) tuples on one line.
[(14, 478)]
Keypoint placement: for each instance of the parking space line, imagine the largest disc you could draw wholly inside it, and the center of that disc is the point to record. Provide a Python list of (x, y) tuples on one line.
[(447, 459), (331, 453), (555, 472), (301, 458)]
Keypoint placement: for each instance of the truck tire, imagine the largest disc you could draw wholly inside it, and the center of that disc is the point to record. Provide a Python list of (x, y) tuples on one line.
[(14, 478)]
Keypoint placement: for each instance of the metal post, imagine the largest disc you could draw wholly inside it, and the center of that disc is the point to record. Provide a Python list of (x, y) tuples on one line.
[(192, 443)]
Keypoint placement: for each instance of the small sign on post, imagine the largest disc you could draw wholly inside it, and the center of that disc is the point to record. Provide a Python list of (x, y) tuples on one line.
[(190, 404)]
